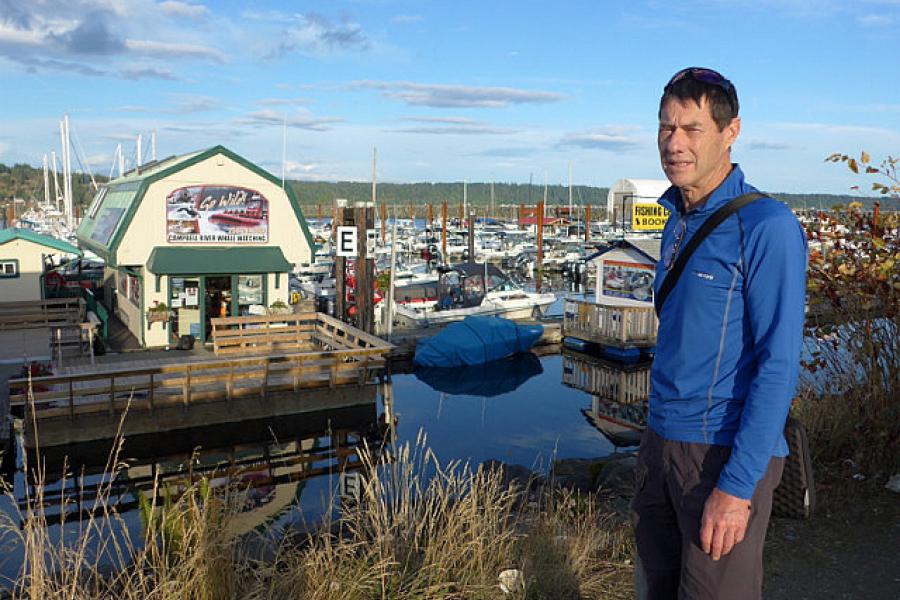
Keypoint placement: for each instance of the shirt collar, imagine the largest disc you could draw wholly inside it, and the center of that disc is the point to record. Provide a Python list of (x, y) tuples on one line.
[(731, 188)]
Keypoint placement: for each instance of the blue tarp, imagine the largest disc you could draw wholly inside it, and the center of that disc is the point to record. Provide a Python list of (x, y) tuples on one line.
[(486, 380), (476, 340)]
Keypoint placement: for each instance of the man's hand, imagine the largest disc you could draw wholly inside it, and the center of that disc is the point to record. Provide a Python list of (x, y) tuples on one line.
[(723, 524)]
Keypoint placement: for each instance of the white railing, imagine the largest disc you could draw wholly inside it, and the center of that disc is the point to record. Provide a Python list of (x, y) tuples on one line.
[(610, 324)]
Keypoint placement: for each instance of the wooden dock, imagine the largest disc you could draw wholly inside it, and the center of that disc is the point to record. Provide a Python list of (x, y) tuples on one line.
[(330, 356), (612, 325)]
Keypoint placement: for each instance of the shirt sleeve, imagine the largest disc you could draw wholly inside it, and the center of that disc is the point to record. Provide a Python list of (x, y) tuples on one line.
[(774, 298)]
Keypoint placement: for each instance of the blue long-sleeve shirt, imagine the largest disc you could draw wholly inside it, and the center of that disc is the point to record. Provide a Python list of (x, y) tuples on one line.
[(730, 333)]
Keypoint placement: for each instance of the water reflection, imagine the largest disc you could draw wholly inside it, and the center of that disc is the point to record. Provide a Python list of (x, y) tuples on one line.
[(270, 458), (486, 380), (618, 393)]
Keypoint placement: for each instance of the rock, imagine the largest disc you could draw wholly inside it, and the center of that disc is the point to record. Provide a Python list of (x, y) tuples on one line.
[(523, 477), (893, 483), (512, 581), (617, 475), (615, 483), (577, 474)]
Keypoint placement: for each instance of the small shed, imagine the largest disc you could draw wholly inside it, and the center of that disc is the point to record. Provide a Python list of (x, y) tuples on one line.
[(24, 255), (625, 193), (625, 271)]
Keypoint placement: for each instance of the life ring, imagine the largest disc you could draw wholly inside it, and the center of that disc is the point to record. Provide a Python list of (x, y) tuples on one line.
[(432, 249), (432, 264)]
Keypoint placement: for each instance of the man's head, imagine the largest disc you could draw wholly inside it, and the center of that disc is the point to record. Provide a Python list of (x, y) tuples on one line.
[(698, 123)]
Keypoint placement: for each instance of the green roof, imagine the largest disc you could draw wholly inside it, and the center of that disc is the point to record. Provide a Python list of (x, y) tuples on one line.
[(226, 260), (13, 233), (104, 226)]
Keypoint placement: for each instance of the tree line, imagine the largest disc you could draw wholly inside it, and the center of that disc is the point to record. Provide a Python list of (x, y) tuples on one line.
[(27, 182)]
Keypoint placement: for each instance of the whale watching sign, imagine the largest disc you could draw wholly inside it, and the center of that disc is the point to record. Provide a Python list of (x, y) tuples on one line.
[(217, 213)]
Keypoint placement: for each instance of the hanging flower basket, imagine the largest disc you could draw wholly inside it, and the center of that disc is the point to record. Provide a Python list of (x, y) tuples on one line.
[(158, 313)]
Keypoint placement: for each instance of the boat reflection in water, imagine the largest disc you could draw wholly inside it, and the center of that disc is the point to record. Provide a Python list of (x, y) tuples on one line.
[(618, 395), (269, 461), (484, 380)]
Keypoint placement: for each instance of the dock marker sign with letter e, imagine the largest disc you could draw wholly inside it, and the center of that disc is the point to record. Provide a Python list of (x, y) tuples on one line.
[(648, 217), (346, 242)]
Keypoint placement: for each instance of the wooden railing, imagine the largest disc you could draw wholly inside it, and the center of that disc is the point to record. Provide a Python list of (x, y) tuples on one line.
[(247, 336), (343, 356), (628, 385), (608, 324), (60, 312), (263, 334)]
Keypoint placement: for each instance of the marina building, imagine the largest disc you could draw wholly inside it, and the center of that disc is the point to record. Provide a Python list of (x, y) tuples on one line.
[(24, 256), (193, 237)]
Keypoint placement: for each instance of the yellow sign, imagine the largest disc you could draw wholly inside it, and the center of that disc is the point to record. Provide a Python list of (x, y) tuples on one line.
[(648, 217)]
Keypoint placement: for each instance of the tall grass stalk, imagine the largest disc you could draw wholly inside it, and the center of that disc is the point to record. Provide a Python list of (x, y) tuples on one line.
[(418, 529)]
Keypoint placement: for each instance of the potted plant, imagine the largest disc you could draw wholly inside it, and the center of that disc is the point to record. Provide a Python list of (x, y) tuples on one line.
[(279, 307), (158, 313)]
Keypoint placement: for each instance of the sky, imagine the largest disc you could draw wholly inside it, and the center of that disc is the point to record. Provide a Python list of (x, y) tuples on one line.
[(506, 91)]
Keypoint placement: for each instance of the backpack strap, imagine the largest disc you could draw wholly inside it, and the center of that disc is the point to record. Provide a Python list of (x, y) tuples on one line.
[(708, 226)]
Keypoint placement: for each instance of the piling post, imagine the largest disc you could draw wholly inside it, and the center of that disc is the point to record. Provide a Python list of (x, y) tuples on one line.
[(444, 232), (587, 224), (340, 263), (364, 215), (540, 245), (472, 239)]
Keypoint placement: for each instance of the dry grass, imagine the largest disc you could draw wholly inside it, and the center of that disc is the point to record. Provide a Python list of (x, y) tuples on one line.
[(418, 530), (853, 420)]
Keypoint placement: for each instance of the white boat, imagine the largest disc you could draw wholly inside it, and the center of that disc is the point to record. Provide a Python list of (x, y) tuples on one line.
[(474, 289)]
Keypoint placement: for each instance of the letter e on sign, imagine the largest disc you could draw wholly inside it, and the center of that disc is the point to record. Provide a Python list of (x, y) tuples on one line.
[(346, 242)]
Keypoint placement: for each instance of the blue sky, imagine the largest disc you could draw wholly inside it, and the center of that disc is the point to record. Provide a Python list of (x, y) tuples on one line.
[(452, 90)]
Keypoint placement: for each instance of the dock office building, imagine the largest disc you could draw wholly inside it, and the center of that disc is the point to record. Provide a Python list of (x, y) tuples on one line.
[(193, 237)]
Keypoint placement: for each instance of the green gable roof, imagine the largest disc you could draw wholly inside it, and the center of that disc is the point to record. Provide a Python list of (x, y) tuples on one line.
[(14, 233), (178, 260), (103, 232)]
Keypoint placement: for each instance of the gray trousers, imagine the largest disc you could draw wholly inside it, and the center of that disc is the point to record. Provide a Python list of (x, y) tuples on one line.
[(673, 481)]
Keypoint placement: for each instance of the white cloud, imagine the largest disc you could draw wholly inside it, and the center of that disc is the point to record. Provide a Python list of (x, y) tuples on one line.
[(284, 101), (4, 148), (616, 138), (306, 121), (766, 145), (876, 20), (174, 8), (457, 96), (313, 33), (407, 18), (169, 50)]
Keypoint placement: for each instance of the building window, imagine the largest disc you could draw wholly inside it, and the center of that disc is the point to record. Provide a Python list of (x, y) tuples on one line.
[(97, 202), (9, 268), (134, 290)]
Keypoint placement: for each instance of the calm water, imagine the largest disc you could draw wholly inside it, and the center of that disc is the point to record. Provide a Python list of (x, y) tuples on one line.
[(516, 411)]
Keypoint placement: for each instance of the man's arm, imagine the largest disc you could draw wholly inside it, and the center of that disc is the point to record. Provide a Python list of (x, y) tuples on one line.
[(774, 296)]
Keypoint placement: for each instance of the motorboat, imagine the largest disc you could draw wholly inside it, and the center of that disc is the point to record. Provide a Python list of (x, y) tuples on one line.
[(474, 289)]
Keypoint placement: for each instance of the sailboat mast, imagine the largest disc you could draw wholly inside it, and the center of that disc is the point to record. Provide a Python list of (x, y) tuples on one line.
[(55, 179), (46, 183)]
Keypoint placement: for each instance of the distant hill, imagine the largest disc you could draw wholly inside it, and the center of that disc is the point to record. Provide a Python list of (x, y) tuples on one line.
[(26, 182)]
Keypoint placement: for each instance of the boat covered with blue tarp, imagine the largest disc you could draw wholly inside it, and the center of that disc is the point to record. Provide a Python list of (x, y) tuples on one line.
[(476, 340)]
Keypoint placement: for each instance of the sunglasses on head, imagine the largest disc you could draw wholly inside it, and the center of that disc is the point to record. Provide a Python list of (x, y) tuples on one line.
[(704, 75)]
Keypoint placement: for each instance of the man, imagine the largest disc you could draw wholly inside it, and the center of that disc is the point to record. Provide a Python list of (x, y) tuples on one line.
[(727, 359)]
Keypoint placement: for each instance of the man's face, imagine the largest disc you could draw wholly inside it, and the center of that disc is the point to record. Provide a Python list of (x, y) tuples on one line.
[(693, 152)]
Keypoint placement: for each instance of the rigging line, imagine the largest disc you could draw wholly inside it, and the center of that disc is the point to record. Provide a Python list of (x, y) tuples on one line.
[(79, 153)]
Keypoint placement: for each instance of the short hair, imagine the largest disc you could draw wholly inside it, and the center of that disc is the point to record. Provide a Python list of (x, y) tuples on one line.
[(723, 106)]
